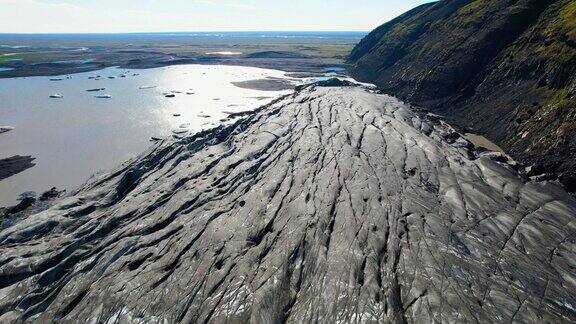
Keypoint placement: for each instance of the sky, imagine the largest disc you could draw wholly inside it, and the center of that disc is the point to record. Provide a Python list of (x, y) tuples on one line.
[(112, 16)]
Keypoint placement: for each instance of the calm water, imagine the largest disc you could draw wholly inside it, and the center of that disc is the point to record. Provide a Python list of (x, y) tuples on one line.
[(78, 135)]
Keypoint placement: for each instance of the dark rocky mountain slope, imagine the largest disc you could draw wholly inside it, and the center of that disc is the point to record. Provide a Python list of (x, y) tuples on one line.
[(503, 68), (334, 204)]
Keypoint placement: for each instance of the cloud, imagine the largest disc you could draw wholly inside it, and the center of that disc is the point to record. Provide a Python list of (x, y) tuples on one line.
[(194, 15), (32, 15), (230, 4)]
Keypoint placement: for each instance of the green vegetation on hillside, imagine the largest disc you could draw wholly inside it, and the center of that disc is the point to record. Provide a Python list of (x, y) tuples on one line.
[(474, 12), (502, 68), (566, 22)]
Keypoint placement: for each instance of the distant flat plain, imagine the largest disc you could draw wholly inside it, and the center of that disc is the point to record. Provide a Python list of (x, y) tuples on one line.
[(57, 54)]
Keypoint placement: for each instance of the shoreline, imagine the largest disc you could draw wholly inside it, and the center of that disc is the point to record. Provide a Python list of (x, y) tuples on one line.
[(302, 65)]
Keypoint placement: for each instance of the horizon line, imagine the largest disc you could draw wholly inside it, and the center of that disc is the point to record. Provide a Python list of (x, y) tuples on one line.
[(183, 32)]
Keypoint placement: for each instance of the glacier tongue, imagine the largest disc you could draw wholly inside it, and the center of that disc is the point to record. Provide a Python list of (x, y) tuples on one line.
[(334, 204)]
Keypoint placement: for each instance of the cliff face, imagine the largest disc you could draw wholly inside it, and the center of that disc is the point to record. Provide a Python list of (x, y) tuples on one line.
[(334, 204), (503, 68)]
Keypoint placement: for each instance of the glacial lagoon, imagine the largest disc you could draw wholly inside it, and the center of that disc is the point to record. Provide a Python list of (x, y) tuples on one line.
[(86, 132)]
